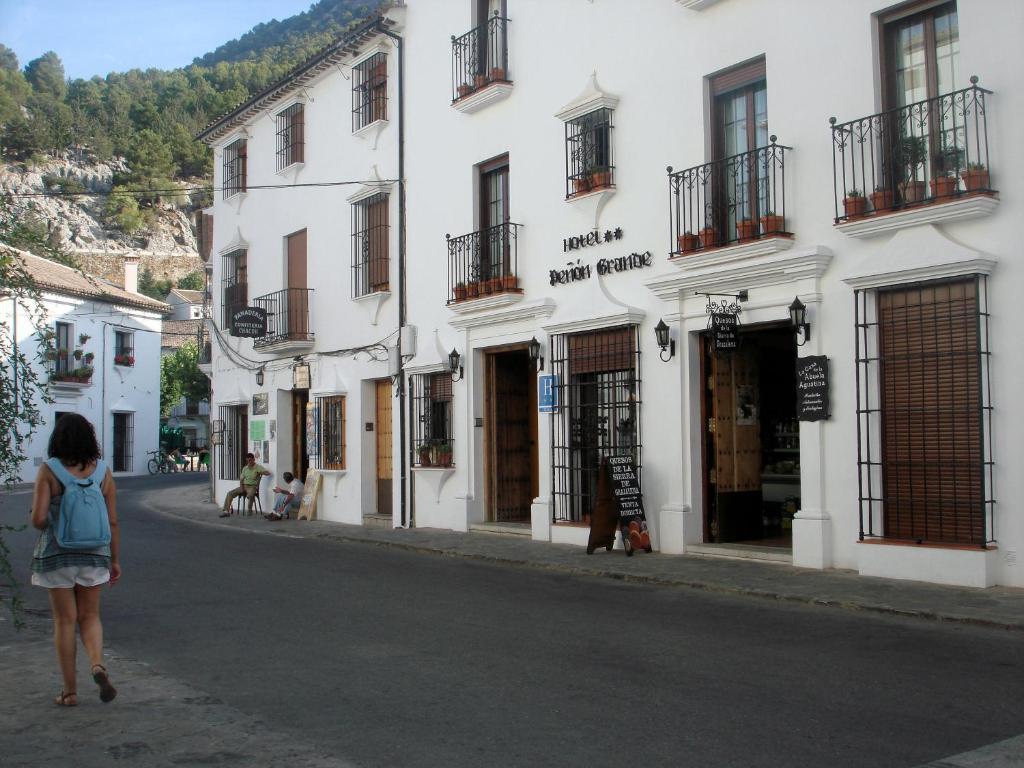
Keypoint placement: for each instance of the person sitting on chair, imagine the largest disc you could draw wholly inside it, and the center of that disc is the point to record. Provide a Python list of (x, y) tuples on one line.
[(248, 484), (288, 498)]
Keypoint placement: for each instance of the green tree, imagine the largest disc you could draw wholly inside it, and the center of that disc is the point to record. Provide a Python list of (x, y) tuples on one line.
[(193, 281), (46, 74), (180, 377), (149, 158), (152, 287), (122, 212), (8, 59)]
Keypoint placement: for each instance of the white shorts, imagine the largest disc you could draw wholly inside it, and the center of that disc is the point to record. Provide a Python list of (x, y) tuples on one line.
[(68, 577)]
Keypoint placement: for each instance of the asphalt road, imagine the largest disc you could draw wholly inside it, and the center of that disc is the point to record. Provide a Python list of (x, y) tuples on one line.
[(393, 658)]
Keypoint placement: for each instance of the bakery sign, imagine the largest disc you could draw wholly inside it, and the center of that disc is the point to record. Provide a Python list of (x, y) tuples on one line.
[(249, 322)]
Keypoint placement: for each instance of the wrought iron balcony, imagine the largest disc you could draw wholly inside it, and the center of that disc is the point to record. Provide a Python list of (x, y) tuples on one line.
[(736, 199), (483, 263), (933, 151), (480, 57), (287, 319)]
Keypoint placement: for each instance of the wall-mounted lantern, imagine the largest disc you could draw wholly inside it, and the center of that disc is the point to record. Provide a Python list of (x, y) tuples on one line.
[(453, 365), (798, 319), (535, 356), (667, 344), (259, 378)]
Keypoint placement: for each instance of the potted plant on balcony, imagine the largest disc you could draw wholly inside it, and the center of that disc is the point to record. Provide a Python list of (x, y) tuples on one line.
[(772, 223), (883, 198), (83, 338), (948, 163), (708, 237), (460, 291), (479, 80), (497, 73), (746, 229), (687, 242), (472, 289), (581, 184), (77, 354), (600, 179), (424, 452), (443, 455), (511, 282), (464, 89), (910, 154), (854, 204), (975, 177), (88, 358)]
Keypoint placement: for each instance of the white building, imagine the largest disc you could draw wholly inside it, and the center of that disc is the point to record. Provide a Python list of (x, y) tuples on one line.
[(539, 207), (185, 304), (107, 364), (186, 326)]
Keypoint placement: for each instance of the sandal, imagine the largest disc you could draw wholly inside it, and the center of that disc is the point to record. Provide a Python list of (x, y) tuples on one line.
[(63, 699), (107, 691), (225, 514)]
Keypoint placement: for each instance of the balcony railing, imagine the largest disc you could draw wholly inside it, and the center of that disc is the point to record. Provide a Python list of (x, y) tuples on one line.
[(932, 151), (480, 57), (736, 199), (483, 263), (287, 316)]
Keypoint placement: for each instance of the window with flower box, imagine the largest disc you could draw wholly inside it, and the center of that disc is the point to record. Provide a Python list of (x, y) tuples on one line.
[(124, 348), (588, 152), (432, 420)]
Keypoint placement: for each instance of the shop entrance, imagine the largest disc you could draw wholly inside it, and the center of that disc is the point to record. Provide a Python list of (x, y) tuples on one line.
[(300, 448), (383, 396), (751, 439), (510, 466)]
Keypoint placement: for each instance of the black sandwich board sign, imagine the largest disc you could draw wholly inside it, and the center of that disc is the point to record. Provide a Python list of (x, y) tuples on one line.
[(620, 505), (812, 388), (725, 326), (249, 322)]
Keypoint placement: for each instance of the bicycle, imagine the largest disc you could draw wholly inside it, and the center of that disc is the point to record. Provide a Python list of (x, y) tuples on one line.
[(158, 462)]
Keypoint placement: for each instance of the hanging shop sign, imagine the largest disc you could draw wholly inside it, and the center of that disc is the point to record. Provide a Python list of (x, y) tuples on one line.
[(576, 242), (249, 322), (300, 376), (620, 505), (575, 272), (724, 318), (812, 388), (547, 393)]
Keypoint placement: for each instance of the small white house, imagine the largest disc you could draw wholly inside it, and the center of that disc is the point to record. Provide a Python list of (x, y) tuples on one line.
[(107, 360)]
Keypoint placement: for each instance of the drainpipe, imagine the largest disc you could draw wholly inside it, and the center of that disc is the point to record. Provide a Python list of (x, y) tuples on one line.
[(401, 268)]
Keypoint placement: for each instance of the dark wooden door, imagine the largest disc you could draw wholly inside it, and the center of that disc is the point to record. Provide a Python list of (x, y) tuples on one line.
[(300, 448), (384, 447), (511, 437)]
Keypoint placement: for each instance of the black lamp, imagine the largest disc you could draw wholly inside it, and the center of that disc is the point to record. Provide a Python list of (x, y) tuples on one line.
[(666, 343), (259, 378), (534, 349), (798, 319), (453, 365)]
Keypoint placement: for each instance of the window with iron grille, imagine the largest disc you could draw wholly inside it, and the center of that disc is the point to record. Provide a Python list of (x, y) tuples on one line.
[(598, 382), (234, 281), (370, 91), (328, 449), (124, 348), (235, 168), (124, 442), (63, 349), (431, 406), (290, 136), (588, 152), (233, 440), (370, 265), (924, 412)]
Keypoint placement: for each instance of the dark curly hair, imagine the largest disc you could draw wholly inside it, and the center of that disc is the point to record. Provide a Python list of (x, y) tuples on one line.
[(73, 441)]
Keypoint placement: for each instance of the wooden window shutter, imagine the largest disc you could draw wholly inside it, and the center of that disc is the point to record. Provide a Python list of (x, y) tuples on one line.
[(377, 233), (597, 351), (932, 455), (737, 77)]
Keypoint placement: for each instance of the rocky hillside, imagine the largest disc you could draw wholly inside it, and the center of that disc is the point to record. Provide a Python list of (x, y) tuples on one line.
[(75, 223)]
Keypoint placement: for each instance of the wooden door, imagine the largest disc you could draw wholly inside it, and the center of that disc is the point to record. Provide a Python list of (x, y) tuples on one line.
[(734, 466), (295, 297), (300, 447), (384, 452), (511, 437)]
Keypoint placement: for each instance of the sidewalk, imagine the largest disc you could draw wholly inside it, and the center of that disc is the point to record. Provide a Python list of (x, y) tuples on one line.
[(998, 607)]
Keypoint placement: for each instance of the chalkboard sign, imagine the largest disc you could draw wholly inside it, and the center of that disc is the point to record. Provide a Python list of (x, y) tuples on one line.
[(619, 504), (812, 388), (725, 326)]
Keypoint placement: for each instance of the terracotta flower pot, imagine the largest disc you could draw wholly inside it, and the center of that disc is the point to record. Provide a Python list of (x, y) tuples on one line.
[(746, 229), (708, 237), (425, 458), (772, 223), (854, 207), (465, 89), (883, 199), (496, 284), (975, 181), (913, 191), (687, 242), (511, 282), (600, 179), (460, 292), (581, 185), (497, 73), (480, 80), (944, 186), (472, 290)]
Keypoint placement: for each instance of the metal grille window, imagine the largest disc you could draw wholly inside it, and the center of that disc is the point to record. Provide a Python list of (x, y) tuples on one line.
[(236, 289), (598, 389), (62, 363), (124, 442), (431, 406), (236, 429), (290, 136), (235, 168), (370, 263), (588, 152), (124, 348), (370, 91), (924, 413), (329, 416)]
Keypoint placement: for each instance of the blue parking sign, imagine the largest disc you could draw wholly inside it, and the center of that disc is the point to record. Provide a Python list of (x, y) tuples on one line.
[(547, 393)]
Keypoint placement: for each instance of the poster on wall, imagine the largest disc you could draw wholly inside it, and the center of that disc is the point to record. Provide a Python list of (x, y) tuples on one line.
[(257, 429), (812, 388), (260, 404)]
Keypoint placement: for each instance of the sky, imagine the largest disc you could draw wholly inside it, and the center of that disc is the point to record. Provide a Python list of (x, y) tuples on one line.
[(96, 37)]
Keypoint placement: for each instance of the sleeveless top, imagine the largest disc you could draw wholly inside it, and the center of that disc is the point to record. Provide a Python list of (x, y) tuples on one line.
[(49, 556)]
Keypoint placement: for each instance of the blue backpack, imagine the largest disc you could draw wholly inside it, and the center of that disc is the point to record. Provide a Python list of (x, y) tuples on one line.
[(83, 521)]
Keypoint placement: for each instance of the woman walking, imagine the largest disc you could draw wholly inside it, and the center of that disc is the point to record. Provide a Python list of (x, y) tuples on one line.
[(74, 576)]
